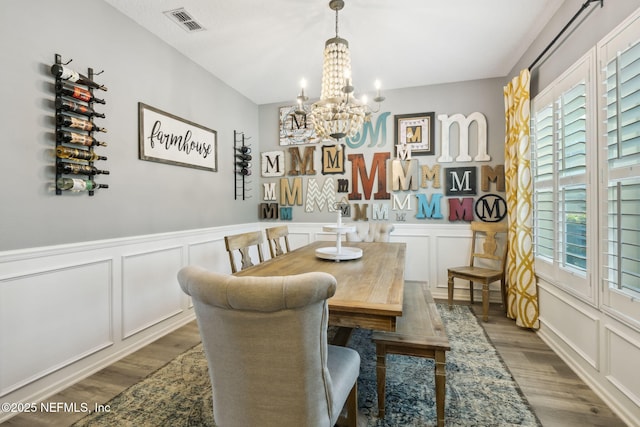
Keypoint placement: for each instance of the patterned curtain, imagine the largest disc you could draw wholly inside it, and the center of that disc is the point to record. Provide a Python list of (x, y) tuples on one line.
[(522, 294)]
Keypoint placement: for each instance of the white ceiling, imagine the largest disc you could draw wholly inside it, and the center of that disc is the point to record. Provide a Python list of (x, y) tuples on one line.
[(264, 48)]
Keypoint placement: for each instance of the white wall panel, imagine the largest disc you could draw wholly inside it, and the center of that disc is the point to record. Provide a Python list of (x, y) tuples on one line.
[(79, 300), (210, 255), (420, 262), (623, 361), (453, 250), (51, 318), (297, 240), (573, 322), (150, 289)]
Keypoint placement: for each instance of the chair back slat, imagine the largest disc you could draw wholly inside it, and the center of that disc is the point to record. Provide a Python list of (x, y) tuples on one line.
[(276, 237), (242, 243), (485, 244)]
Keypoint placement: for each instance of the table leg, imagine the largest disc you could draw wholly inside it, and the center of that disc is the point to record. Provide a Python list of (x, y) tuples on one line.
[(440, 358), (381, 376)]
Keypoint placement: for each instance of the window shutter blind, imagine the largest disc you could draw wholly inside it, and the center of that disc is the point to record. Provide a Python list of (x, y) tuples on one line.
[(561, 126), (622, 257)]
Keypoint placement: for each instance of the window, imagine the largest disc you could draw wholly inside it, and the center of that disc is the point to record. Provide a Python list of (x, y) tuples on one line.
[(562, 122), (620, 188), (586, 176)]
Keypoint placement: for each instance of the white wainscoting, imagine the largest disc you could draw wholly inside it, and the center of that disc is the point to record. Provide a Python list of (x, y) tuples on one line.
[(70, 310), (603, 351), (67, 311)]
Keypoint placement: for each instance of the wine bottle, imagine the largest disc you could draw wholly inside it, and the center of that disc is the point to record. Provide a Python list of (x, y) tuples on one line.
[(244, 171), (74, 184), (79, 169), (78, 138), (76, 154), (63, 104), (244, 164), (244, 157), (66, 73), (244, 149), (77, 93), (76, 123)]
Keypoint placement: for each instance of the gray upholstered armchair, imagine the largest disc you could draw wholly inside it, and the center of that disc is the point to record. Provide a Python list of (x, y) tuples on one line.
[(376, 232), (265, 339)]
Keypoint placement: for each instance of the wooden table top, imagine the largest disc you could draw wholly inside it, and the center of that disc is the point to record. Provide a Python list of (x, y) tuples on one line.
[(370, 289)]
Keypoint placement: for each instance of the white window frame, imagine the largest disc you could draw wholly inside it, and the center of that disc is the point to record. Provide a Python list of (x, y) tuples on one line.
[(619, 303), (581, 284)]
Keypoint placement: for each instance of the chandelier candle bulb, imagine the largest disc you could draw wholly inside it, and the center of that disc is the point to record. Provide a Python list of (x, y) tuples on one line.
[(379, 98)]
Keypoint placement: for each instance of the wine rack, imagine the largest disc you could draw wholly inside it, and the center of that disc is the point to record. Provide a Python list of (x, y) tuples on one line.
[(75, 130), (242, 164)]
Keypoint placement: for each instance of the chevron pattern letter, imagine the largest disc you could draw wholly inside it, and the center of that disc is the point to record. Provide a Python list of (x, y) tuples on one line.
[(315, 196)]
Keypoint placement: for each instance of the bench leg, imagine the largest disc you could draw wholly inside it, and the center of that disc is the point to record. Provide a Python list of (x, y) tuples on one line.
[(381, 376), (441, 380)]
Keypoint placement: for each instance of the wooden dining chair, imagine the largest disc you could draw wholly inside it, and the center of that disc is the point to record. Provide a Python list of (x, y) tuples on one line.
[(486, 265), (276, 236), (243, 243)]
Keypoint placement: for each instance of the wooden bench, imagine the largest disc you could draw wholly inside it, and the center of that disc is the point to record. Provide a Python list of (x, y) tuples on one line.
[(419, 332)]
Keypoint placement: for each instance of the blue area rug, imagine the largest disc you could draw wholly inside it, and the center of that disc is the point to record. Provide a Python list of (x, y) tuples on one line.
[(480, 390)]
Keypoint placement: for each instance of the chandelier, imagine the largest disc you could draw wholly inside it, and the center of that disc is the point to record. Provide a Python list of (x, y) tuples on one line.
[(338, 114)]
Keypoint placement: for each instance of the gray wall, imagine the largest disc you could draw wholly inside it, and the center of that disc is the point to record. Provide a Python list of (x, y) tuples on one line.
[(484, 96), (592, 25), (147, 197), (144, 197)]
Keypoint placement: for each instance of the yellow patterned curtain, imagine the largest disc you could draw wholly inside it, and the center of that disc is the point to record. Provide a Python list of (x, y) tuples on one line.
[(522, 293)]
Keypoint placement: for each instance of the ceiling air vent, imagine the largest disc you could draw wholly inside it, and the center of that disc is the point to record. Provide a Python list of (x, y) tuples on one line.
[(184, 20)]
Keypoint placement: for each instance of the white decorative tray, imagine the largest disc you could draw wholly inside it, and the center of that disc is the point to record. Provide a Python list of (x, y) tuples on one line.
[(339, 252), (344, 253), (340, 229)]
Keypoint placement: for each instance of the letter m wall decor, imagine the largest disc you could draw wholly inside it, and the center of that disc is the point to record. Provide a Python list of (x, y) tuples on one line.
[(272, 163), (165, 138), (461, 181)]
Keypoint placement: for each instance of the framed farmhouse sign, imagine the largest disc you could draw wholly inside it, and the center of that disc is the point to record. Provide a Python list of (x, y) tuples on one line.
[(165, 138)]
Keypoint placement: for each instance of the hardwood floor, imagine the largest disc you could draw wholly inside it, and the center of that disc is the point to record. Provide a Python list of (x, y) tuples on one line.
[(556, 394), (109, 382), (558, 397)]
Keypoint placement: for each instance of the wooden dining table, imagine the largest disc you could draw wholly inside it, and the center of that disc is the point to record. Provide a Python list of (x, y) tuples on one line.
[(370, 289)]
